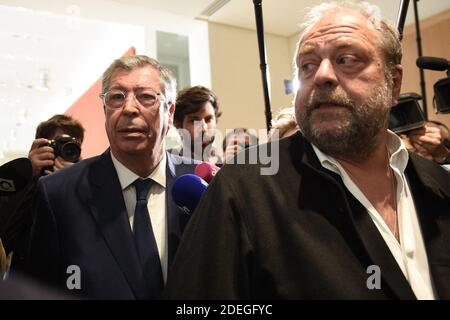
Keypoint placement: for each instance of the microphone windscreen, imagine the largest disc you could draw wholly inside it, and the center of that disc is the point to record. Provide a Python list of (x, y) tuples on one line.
[(15, 175), (187, 191), (206, 171), (432, 63)]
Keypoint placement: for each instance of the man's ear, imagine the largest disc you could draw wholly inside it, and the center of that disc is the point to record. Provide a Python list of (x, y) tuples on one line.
[(397, 83), (171, 109)]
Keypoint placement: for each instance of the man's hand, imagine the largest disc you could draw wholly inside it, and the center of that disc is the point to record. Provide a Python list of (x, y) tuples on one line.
[(407, 142), (61, 163), (41, 156), (231, 151), (428, 142)]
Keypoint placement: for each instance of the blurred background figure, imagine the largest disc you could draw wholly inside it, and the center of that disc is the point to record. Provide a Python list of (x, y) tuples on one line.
[(49, 154), (431, 142), (57, 145), (284, 123), (237, 140), (197, 112)]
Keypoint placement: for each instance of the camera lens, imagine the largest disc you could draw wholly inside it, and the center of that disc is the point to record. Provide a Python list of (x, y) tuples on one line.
[(71, 152)]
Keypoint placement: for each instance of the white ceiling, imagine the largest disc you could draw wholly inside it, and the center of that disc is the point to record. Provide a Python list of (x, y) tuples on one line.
[(281, 17)]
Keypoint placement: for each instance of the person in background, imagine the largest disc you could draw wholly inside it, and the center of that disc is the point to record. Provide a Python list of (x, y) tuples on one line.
[(44, 160), (197, 112), (42, 155), (237, 140), (284, 123), (431, 142)]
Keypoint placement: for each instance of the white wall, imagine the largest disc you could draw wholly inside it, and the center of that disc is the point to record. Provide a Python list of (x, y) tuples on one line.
[(81, 24), (236, 75)]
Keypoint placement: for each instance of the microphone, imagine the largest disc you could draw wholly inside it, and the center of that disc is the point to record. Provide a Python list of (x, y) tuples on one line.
[(187, 191), (15, 175), (206, 171), (433, 63)]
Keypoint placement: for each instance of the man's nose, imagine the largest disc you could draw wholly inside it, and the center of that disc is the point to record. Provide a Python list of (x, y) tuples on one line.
[(130, 105), (325, 75), (204, 125)]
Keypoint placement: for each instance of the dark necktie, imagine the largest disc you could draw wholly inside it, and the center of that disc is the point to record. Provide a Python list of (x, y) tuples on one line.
[(145, 240)]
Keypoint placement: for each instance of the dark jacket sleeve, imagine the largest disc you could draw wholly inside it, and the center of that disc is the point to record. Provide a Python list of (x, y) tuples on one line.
[(44, 251), (16, 221), (214, 256)]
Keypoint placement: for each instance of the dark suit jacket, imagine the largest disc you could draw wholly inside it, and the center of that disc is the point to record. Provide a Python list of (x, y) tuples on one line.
[(81, 220), (300, 234)]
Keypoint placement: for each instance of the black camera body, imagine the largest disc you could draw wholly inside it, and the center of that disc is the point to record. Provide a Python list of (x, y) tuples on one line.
[(407, 114), (442, 96), (66, 147), (441, 87)]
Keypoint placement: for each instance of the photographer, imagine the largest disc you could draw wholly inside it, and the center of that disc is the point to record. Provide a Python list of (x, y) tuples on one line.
[(430, 141), (57, 145), (237, 140), (42, 154)]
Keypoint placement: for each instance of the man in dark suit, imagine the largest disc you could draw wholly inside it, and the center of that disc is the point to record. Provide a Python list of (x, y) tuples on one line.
[(107, 227), (349, 214)]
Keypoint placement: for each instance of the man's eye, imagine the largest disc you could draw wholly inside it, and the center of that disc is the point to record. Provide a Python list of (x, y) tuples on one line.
[(346, 60), (147, 97), (306, 67), (116, 97)]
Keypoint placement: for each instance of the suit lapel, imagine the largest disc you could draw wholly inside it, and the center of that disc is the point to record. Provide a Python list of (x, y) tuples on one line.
[(108, 209), (378, 251), (175, 217), (431, 192)]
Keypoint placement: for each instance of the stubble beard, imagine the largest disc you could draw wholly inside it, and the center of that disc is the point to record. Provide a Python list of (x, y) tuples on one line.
[(356, 134)]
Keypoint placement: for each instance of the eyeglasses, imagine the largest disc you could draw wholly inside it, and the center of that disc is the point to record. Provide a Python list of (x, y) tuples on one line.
[(115, 99)]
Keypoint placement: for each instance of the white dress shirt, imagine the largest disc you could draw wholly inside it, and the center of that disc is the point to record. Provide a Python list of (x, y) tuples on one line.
[(156, 204), (410, 253)]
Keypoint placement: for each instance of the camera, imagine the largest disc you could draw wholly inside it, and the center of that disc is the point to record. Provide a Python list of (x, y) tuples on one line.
[(442, 87), (66, 147), (407, 114), (442, 96)]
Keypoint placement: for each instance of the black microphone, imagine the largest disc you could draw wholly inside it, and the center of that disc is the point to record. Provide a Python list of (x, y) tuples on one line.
[(433, 63), (15, 175)]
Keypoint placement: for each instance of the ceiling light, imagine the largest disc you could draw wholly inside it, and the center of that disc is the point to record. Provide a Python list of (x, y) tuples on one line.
[(212, 8)]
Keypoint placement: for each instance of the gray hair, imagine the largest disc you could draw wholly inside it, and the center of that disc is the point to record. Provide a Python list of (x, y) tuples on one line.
[(388, 35), (167, 80), (284, 121)]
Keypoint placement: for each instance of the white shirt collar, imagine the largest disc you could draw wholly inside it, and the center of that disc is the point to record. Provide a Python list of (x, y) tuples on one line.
[(410, 253), (397, 150), (127, 177)]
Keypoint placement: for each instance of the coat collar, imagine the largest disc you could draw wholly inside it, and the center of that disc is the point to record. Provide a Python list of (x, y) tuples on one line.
[(430, 174), (306, 161)]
